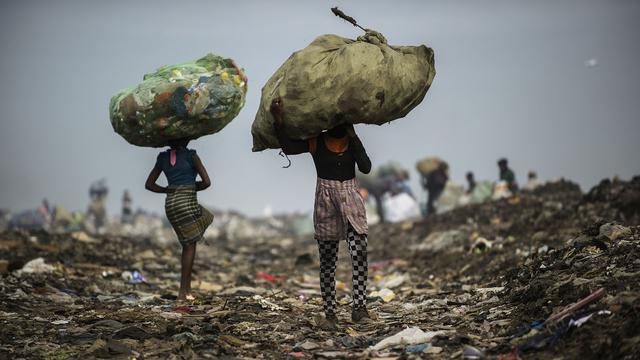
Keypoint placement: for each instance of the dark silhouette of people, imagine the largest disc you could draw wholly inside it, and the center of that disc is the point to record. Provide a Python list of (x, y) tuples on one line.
[(434, 184), (97, 210), (127, 210), (507, 175), (471, 181)]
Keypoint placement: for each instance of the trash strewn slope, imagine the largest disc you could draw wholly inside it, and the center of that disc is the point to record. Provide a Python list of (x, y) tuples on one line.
[(482, 281)]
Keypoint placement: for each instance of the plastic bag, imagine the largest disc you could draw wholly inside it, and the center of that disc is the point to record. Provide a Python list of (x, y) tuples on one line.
[(187, 100)]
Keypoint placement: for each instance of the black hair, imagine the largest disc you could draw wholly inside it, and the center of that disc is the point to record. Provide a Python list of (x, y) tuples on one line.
[(337, 132), (175, 143)]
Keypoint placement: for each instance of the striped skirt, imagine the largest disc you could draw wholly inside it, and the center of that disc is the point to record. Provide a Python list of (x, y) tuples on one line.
[(187, 217), (338, 204)]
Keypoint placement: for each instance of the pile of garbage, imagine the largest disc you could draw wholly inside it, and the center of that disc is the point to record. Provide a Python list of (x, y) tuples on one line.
[(538, 253), (601, 263), (187, 100), (233, 225), (545, 274), (155, 227), (387, 194)]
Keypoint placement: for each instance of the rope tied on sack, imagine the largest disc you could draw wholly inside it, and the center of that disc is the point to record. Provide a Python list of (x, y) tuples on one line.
[(286, 157), (370, 36)]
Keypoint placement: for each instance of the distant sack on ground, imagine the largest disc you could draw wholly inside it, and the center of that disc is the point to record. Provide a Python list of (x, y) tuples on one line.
[(186, 100), (336, 80)]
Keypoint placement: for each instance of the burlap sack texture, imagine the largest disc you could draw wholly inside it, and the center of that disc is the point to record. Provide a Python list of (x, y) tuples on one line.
[(337, 80), (428, 165)]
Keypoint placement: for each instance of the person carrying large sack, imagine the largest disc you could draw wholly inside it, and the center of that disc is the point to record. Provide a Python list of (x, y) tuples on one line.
[(339, 210)]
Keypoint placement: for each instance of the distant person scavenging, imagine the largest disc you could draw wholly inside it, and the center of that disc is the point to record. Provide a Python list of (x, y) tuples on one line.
[(471, 181), (507, 175), (97, 211), (403, 182), (532, 181), (339, 211), (189, 220), (127, 211), (434, 184)]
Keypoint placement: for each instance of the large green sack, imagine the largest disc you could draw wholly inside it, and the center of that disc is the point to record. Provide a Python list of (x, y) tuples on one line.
[(336, 80), (186, 100)]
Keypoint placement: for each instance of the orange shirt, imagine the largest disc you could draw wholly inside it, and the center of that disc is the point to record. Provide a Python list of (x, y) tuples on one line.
[(333, 144)]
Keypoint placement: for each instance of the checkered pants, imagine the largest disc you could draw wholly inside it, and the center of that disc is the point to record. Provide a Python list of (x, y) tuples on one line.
[(329, 255)]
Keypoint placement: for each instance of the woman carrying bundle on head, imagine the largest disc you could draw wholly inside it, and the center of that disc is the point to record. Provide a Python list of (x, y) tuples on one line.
[(189, 220), (339, 212)]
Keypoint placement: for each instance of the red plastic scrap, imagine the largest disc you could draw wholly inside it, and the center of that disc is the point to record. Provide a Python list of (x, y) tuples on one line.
[(266, 276), (297, 354), (270, 277), (378, 264), (183, 309)]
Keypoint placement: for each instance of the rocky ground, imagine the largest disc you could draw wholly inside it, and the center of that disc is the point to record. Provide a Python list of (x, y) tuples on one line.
[(483, 281)]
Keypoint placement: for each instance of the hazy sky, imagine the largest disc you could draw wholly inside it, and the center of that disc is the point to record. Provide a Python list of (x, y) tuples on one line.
[(511, 81)]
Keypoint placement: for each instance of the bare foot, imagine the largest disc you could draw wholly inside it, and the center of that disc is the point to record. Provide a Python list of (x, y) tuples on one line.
[(185, 297)]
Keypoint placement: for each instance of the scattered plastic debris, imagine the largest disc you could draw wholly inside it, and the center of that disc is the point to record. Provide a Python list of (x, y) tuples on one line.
[(35, 266), (550, 250), (408, 336)]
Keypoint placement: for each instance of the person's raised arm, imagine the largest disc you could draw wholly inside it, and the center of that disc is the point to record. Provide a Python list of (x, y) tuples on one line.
[(151, 182), (204, 176), (358, 151), (289, 146)]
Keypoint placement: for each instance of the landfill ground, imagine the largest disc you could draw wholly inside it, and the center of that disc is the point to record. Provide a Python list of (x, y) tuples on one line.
[(482, 278)]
